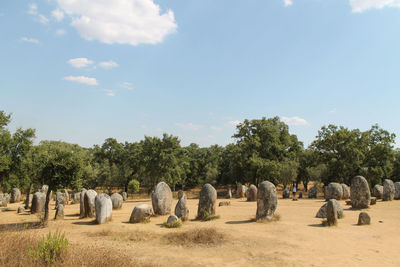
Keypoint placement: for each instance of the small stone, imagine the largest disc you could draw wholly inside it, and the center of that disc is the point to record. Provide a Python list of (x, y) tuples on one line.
[(388, 190), (397, 190), (286, 193), (348, 202), (117, 201), (141, 213), (364, 219), (172, 219), (312, 193), (378, 191), (346, 191), (252, 193), (124, 196), (322, 212), (20, 209), (373, 201), (301, 195), (224, 203)]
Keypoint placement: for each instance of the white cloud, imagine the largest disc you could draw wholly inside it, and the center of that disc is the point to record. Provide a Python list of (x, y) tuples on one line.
[(359, 6), (109, 92), (189, 126), (42, 19), (234, 123), (294, 121), (82, 79), (108, 64), (57, 14), (80, 62), (127, 85), (119, 21), (29, 40), (287, 2), (60, 32), (33, 10)]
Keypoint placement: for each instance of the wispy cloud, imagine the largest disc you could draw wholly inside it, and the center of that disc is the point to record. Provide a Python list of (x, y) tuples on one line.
[(81, 79), (189, 126), (60, 32), (80, 62), (287, 2), (216, 128), (234, 123), (33, 10), (109, 92), (108, 64), (29, 40), (294, 121), (57, 14), (127, 85), (359, 6)]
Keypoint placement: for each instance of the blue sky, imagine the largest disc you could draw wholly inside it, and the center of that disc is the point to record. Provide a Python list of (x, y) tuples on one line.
[(83, 71)]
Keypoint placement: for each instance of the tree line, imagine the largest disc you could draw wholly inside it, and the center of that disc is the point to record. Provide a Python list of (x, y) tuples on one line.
[(263, 150)]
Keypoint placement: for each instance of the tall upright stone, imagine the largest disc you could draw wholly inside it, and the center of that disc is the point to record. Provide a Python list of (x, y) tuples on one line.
[(44, 189), (4, 199), (82, 213), (162, 199), (267, 200), (397, 190), (378, 191), (28, 201), (331, 213), (252, 193), (15, 195), (66, 196), (207, 201), (241, 190), (60, 199), (104, 206), (285, 193), (117, 201), (312, 193), (38, 202), (124, 196), (388, 190), (333, 191), (181, 209), (59, 212), (359, 193), (346, 191), (229, 193), (90, 196)]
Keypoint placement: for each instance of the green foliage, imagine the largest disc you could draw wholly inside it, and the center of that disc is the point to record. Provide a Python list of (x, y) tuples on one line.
[(204, 215), (50, 248), (133, 186)]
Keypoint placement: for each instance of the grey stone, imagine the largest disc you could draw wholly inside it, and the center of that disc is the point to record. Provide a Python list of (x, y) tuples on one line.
[(117, 201), (359, 193), (346, 191), (104, 206), (181, 209), (44, 189), (323, 210), (38, 202), (373, 201), (364, 219), (172, 219), (388, 190), (301, 195), (378, 191), (348, 202), (229, 193), (15, 195), (4, 199), (224, 203), (76, 198), (162, 199), (60, 199), (90, 196), (285, 193), (252, 193), (207, 201), (124, 196), (82, 213), (66, 196), (20, 209), (312, 193), (267, 200), (141, 213), (333, 191), (59, 212), (331, 213), (28, 201), (241, 190), (397, 190)]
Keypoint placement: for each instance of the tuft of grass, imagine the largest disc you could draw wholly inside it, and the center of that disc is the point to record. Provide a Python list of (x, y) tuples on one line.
[(50, 248), (275, 218), (326, 223), (136, 236), (341, 216), (204, 215), (176, 224), (198, 236)]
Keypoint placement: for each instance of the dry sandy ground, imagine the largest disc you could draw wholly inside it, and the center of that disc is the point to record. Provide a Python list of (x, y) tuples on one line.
[(297, 239)]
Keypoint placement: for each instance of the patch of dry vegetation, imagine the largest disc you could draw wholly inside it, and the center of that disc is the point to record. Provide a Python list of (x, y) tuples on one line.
[(275, 218), (198, 236), (134, 236)]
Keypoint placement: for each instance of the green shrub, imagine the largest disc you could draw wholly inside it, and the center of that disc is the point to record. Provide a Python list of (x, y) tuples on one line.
[(133, 186), (50, 248)]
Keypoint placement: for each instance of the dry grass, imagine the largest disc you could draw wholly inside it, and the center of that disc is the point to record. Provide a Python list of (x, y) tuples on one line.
[(176, 224), (198, 236), (14, 251), (135, 236), (275, 218)]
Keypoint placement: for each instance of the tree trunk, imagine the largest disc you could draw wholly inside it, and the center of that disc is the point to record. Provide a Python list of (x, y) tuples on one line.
[(46, 206), (305, 186)]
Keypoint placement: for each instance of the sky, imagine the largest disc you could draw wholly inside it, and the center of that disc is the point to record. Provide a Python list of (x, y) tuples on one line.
[(84, 70)]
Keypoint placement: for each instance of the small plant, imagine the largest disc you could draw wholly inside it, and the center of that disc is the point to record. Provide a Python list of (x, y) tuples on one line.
[(176, 224), (50, 248), (133, 186), (204, 215)]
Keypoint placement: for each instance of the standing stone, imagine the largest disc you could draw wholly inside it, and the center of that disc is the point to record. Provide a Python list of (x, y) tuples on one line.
[(181, 210), (15, 195), (162, 199), (364, 219), (252, 193), (141, 213), (66, 195), (20, 209), (229, 193), (76, 198), (346, 191), (82, 213), (322, 213), (60, 199), (331, 213), (334, 191), (44, 189), (378, 191), (207, 201), (89, 198), (28, 201), (373, 201), (301, 195), (285, 193), (241, 190), (38, 202), (388, 190), (59, 212), (312, 193), (267, 200), (124, 196), (104, 208), (4, 199), (359, 193), (397, 190), (116, 200)]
